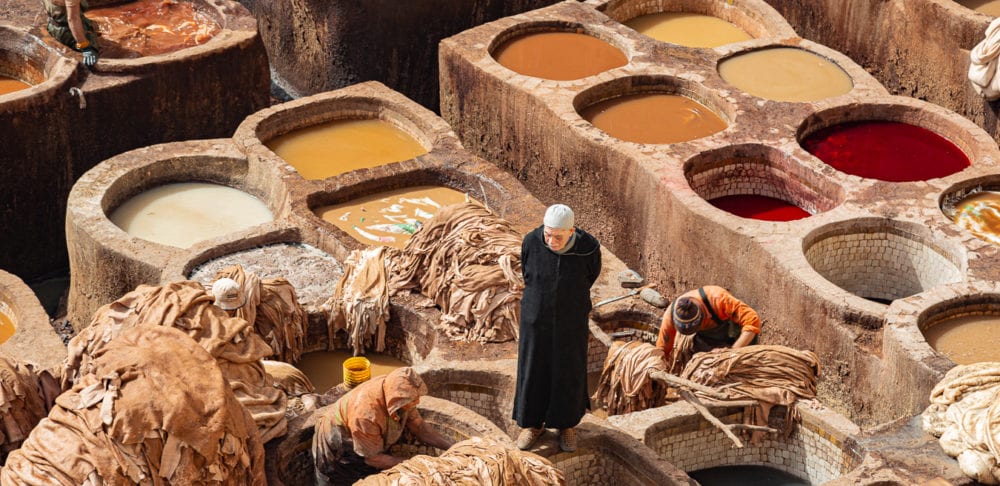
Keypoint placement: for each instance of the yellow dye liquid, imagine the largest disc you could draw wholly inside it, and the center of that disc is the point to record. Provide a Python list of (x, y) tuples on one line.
[(325, 369), (10, 85), (785, 74), (340, 146), (688, 29), (185, 213), (980, 214), (988, 7), (654, 118), (390, 218), (967, 340), (7, 327)]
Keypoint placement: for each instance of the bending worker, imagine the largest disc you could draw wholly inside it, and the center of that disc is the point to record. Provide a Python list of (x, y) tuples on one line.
[(714, 316), (68, 25), (352, 437)]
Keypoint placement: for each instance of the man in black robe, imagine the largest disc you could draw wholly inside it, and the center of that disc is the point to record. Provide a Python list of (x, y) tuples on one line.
[(560, 263)]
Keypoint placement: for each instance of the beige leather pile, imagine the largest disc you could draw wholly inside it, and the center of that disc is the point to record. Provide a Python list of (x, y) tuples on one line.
[(360, 301), (965, 414), (475, 461), (187, 306), (152, 408), (274, 310), (625, 385), (468, 261), (26, 395)]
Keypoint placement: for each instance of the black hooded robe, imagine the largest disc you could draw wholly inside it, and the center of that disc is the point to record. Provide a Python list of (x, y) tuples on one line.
[(552, 346)]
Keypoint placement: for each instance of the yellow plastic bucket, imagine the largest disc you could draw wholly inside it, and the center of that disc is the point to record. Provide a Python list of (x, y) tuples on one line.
[(357, 370)]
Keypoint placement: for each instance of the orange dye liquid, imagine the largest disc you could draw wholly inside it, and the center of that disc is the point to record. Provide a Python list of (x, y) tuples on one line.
[(390, 218), (7, 327), (980, 214), (559, 56), (654, 118), (967, 340), (325, 369), (688, 29), (10, 85), (340, 146), (151, 27)]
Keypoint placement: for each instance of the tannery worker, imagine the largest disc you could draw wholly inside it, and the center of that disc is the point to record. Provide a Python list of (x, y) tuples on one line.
[(68, 25), (715, 317), (560, 264), (228, 294), (352, 437)]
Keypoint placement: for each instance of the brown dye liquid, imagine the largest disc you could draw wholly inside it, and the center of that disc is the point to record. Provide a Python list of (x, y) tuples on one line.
[(980, 214), (340, 146), (688, 29), (785, 74), (325, 369), (966, 340), (988, 7), (7, 327), (654, 118), (559, 56), (151, 27), (390, 218), (10, 85)]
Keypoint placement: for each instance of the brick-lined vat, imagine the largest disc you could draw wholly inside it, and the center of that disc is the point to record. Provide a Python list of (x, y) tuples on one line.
[(34, 341), (648, 202), (198, 92)]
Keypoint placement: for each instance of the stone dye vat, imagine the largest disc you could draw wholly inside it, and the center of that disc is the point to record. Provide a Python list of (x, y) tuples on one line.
[(152, 27), (325, 368), (785, 74), (10, 85), (654, 118), (557, 54), (120, 105), (290, 461), (686, 21), (688, 29), (30, 339), (321, 45), (94, 240)]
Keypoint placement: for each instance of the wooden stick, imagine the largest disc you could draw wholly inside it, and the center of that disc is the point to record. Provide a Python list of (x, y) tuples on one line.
[(756, 428), (679, 382), (730, 403), (687, 395)]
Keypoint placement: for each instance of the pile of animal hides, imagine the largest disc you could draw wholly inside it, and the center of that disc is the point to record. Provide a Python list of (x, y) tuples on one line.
[(771, 374), (151, 407), (626, 385), (965, 414), (274, 310), (473, 461), (465, 259), (26, 396), (187, 306)]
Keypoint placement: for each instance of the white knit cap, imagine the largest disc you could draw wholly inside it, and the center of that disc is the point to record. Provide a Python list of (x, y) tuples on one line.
[(227, 293), (559, 216)]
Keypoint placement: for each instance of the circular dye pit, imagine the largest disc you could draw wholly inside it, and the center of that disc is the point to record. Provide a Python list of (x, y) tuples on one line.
[(988, 7), (325, 369), (763, 208), (10, 85), (390, 218), (313, 272), (151, 27), (967, 339), (886, 150), (688, 29), (7, 327), (558, 56), (654, 118), (185, 213), (785, 74), (340, 146), (979, 213), (746, 476)]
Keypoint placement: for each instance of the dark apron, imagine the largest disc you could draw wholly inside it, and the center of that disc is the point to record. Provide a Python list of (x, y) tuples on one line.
[(723, 335)]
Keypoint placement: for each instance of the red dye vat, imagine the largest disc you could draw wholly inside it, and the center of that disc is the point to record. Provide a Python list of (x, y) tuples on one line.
[(759, 207), (887, 151)]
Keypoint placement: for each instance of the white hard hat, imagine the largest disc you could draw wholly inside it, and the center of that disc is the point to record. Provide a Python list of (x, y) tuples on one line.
[(228, 294)]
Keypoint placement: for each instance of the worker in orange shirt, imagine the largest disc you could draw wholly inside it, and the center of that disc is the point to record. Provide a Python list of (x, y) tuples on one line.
[(715, 316)]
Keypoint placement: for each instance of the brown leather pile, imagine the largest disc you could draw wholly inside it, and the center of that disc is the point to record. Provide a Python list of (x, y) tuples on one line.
[(682, 353), (360, 302), (187, 306), (468, 261), (625, 385), (965, 414), (154, 409), (273, 308), (474, 461), (26, 395)]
